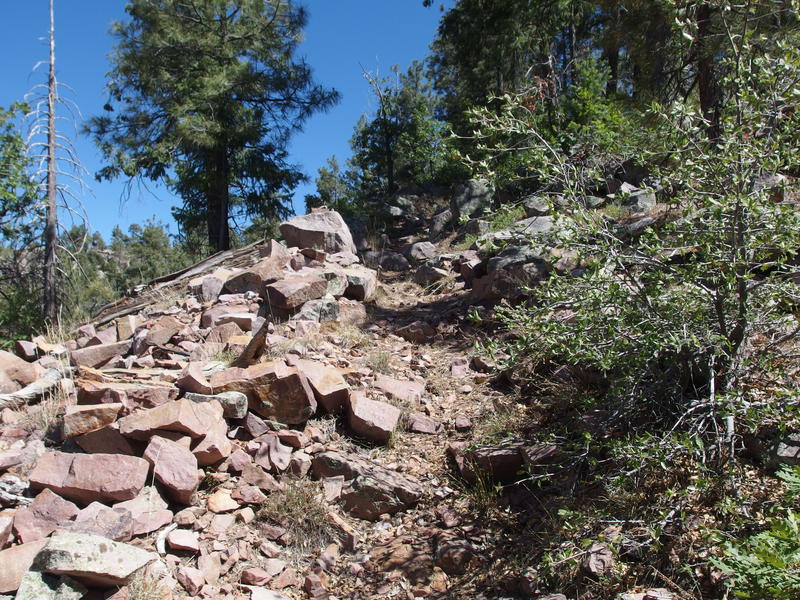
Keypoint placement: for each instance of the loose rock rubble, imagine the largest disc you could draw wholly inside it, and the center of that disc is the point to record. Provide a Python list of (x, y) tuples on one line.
[(191, 417)]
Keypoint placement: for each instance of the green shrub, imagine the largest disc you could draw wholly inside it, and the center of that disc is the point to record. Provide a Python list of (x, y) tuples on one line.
[(766, 566)]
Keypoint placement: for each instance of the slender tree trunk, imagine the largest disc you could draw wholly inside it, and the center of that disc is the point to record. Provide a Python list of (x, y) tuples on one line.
[(218, 203), (707, 84), (51, 223)]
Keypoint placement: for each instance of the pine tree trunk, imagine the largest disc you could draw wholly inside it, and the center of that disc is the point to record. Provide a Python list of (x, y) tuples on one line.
[(51, 222), (218, 204)]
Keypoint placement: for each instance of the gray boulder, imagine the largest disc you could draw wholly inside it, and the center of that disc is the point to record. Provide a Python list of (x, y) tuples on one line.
[(439, 222), (471, 197), (323, 229), (419, 251), (386, 260)]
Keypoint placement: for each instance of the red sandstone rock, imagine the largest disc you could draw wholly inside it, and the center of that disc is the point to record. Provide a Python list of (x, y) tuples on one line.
[(182, 416), (330, 388), (88, 477), (96, 356), (273, 389), (148, 511), (193, 380), (80, 419), (43, 516), (372, 420), (16, 561), (291, 293), (175, 467)]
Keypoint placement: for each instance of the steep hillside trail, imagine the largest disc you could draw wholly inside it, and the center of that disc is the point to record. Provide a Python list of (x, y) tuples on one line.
[(271, 423)]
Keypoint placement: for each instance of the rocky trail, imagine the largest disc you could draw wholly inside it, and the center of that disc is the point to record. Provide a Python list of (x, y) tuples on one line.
[(274, 422)]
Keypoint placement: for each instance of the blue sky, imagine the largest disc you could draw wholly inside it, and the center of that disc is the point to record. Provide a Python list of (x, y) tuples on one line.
[(342, 35)]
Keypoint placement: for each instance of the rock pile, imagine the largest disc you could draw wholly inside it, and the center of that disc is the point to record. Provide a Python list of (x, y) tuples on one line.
[(181, 419)]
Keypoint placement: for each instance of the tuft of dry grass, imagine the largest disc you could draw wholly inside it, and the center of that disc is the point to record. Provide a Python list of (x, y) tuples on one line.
[(300, 509), (144, 587), (348, 336), (380, 361)]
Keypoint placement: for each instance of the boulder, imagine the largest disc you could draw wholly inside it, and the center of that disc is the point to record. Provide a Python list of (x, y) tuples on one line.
[(126, 326), (373, 490), (321, 310), (16, 561), (471, 197), (439, 222), (386, 260), (26, 350), (19, 371), (85, 478), (361, 283), (43, 516), (372, 420), (598, 560), (175, 467), (80, 419), (43, 586), (229, 328), (234, 404), (212, 316), (206, 289), (132, 395), (115, 523), (330, 389), (256, 277), (419, 423), (92, 559), (148, 511), (323, 229), (215, 446), (536, 206), (107, 440), (290, 293), (162, 330), (274, 390), (419, 251), (426, 275), (182, 416), (194, 380)]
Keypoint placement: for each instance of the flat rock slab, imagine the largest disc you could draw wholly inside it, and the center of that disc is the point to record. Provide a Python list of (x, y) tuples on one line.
[(234, 404), (182, 416), (98, 519), (373, 490), (409, 392), (148, 511), (293, 292), (80, 419), (135, 395), (96, 356), (85, 478), (92, 559)]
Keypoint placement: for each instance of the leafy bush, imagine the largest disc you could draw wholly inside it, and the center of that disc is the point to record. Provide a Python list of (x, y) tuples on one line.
[(766, 566), (668, 309)]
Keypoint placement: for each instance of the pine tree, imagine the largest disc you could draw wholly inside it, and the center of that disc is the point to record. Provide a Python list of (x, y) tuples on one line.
[(207, 95)]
